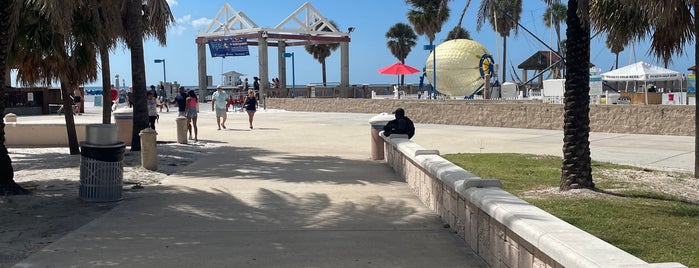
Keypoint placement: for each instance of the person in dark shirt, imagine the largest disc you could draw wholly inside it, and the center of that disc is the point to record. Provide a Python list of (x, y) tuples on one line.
[(400, 125), (181, 100)]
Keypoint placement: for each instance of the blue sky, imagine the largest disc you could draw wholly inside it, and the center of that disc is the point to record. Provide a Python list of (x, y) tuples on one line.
[(368, 52)]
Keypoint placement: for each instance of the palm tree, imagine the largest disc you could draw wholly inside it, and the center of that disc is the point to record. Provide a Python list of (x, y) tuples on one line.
[(459, 32), (554, 15), (428, 16), (9, 14), (576, 170), (321, 51), (671, 25), (401, 40), (45, 52), (616, 48), (151, 19), (494, 12)]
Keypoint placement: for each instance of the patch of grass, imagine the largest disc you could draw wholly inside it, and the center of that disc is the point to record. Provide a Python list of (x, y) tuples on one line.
[(653, 226)]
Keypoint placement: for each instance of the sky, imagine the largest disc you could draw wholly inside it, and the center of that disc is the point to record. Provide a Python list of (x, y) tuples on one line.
[(368, 52)]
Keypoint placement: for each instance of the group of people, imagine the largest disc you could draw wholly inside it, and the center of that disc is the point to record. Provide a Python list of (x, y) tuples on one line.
[(187, 104)]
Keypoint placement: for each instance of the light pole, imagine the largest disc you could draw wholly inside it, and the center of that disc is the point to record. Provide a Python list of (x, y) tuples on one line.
[(163, 62), (432, 48), (293, 75)]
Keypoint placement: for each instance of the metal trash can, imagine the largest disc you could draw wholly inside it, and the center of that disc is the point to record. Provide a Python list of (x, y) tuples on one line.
[(101, 172)]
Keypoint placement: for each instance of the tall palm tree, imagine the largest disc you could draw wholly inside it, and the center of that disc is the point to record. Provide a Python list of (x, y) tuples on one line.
[(459, 32), (576, 170), (45, 52), (494, 12), (670, 24), (554, 15), (151, 19), (401, 40), (616, 48), (9, 14), (321, 51), (428, 16)]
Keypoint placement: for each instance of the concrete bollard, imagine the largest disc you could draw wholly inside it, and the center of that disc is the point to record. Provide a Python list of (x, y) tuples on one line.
[(149, 150), (181, 129), (11, 118), (377, 144)]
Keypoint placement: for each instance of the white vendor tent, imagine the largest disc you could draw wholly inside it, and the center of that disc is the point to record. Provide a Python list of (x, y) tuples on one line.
[(642, 72)]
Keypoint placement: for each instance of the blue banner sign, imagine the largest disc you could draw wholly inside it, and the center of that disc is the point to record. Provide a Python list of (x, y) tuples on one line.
[(691, 84), (229, 47)]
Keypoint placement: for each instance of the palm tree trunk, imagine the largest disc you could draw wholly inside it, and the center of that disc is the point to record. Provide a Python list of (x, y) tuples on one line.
[(106, 89), (322, 64), (504, 60), (66, 88), (7, 174), (576, 171), (138, 73)]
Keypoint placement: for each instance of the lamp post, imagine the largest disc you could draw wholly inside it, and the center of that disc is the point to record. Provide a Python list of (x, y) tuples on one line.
[(432, 48), (293, 75), (163, 62)]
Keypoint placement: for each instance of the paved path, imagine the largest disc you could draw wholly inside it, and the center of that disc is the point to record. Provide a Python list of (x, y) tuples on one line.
[(299, 191)]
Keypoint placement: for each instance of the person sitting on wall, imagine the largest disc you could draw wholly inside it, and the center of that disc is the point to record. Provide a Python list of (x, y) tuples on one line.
[(401, 125)]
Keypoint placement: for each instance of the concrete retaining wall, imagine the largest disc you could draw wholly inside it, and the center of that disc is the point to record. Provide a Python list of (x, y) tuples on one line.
[(637, 119), (17, 134), (501, 228)]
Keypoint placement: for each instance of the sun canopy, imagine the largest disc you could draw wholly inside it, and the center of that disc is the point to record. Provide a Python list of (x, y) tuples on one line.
[(641, 71)]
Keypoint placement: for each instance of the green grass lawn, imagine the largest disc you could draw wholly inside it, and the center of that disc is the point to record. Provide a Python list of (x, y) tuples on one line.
[(653, 226)]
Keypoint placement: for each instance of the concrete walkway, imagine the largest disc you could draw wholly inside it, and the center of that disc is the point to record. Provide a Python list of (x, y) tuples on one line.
[(300, 191)]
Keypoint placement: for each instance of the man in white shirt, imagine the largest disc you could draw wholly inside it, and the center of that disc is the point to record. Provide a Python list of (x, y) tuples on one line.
[(218, 104)]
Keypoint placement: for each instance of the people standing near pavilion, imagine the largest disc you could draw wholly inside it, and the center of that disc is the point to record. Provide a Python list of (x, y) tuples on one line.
[(219, 101)]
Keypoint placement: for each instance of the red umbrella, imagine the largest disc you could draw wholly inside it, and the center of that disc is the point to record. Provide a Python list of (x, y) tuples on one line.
[(398, 68)]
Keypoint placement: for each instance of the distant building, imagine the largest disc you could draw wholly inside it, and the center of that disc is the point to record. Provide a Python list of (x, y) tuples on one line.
[(231, 78)]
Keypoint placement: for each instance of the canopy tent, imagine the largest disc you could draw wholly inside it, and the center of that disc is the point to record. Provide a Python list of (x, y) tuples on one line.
[(642, 72)]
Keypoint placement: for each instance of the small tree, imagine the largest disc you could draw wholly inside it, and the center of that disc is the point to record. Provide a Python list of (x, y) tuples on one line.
[(321, 51)]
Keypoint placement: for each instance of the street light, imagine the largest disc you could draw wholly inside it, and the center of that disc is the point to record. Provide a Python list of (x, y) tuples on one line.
[(432, 48), (163, 62), (293, 75)]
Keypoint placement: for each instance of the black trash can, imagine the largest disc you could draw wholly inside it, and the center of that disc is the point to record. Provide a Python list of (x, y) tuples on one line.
[(101, 172)]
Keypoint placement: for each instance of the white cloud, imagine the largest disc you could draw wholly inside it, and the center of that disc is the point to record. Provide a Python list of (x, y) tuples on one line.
[(200, 23), (181, 24)]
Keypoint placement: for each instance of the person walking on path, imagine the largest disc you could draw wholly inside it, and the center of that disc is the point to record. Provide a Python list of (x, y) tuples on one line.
[(78, 100), (114, 97), (181, 100), (191, 111), (219, 100), (251, 105), (162, 98), (152, 104)]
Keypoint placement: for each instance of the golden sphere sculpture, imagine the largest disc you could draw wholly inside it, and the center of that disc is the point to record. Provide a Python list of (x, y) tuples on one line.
[(460, 65)]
